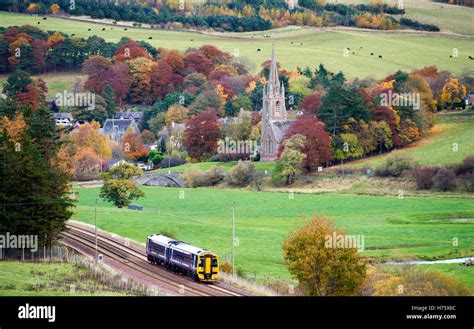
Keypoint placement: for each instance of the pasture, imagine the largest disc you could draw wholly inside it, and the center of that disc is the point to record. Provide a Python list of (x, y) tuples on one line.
[(393, 228), (450, 141), (295, 47)]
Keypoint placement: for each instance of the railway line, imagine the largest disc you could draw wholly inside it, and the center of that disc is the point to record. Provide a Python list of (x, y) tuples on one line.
[(133, 256)]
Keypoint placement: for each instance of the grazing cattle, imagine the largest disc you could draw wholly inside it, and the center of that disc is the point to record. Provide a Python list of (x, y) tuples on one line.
[(149, 38), (450, 56), (73, 34), (125, 29), (301, 44), (371, 54), (44, 18), (380, 56), (103, 29), (258, 49), (88, 29), (39, 22)]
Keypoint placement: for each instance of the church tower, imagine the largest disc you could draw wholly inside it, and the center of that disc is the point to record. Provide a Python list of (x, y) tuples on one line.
[(274, 116), (274, 94)]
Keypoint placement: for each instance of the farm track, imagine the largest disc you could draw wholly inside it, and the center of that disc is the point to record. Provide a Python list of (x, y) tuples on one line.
[(134, 257)]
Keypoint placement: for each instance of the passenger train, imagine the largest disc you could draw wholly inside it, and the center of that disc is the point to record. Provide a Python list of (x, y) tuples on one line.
[(198, 263)]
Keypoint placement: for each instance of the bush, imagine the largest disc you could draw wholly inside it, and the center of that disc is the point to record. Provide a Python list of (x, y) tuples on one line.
[(424, 177), (468, 180), (241, 174), (169, 233), (192, 177), (466, 166), (396, 165), (225, 267), (214, 176), (444, 180), (169, 162)]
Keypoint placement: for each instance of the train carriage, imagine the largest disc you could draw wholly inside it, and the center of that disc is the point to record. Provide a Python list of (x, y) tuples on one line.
[(199, 263)]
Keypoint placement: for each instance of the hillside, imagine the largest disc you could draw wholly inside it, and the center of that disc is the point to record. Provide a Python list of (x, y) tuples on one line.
[(296, 47)]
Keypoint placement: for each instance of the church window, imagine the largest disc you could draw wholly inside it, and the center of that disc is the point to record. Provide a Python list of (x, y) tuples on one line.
[(277, 107)]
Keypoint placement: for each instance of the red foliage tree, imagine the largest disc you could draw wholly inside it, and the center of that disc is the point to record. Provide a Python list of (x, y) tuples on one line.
[(133, 147), (161, 76), (119, 79), (95, 68), (197, 62), (174, 59), (130, 50), (34, 96), (318, 148), (311, 103), (201, 135), (216, 55)]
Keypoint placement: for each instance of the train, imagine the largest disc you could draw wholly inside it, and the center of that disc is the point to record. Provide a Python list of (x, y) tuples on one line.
[(201, 264)]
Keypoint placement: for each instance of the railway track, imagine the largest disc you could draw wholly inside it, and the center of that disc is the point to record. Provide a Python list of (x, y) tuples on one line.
[(134, 257)]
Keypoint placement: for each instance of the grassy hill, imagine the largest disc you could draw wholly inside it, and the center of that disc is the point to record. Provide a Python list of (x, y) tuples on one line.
[(295, 46), (437, 147)]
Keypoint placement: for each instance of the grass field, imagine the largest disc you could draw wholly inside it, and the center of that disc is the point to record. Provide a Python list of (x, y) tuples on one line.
[(56, 82), (263, 220), (458, 19), (439, 146), (49, 279), (294, 46)]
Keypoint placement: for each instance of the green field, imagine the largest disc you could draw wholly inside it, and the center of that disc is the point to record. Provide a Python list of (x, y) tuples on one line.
[(439, 147), (49, 279), (294, 46), (458, 19), (56, 82), (263, 220)]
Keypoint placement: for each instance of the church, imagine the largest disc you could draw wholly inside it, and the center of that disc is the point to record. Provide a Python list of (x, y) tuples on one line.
[(275, 120)]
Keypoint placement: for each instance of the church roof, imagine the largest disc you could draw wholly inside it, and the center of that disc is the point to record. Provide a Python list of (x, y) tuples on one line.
[(119, 125), (273, 76), (279, 128)]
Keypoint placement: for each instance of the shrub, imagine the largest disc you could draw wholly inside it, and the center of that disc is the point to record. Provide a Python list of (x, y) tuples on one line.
[(169, 162), (468, 180), (212, 177), (225, 267), (192, 177), (424, 177), (241, 174), (396, 165), (444, 180), (466, 166)]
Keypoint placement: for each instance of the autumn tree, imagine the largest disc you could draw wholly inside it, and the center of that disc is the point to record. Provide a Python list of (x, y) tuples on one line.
[(323, 268), (176, 113), (290, 162), (133, 147), (453, 94), (119, 187), (201, 135), (317, 147), (129, 51), (311, 103)]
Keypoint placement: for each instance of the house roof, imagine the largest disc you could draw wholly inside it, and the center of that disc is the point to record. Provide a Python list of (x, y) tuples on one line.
[(129, 114), (62, 115), (279, 127), (117, 125)]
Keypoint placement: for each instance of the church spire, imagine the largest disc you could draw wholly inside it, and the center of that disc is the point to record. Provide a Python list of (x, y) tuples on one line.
[(273, 76)]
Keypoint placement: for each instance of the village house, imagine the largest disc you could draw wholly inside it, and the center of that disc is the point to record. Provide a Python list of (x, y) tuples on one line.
[(115, 129)]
